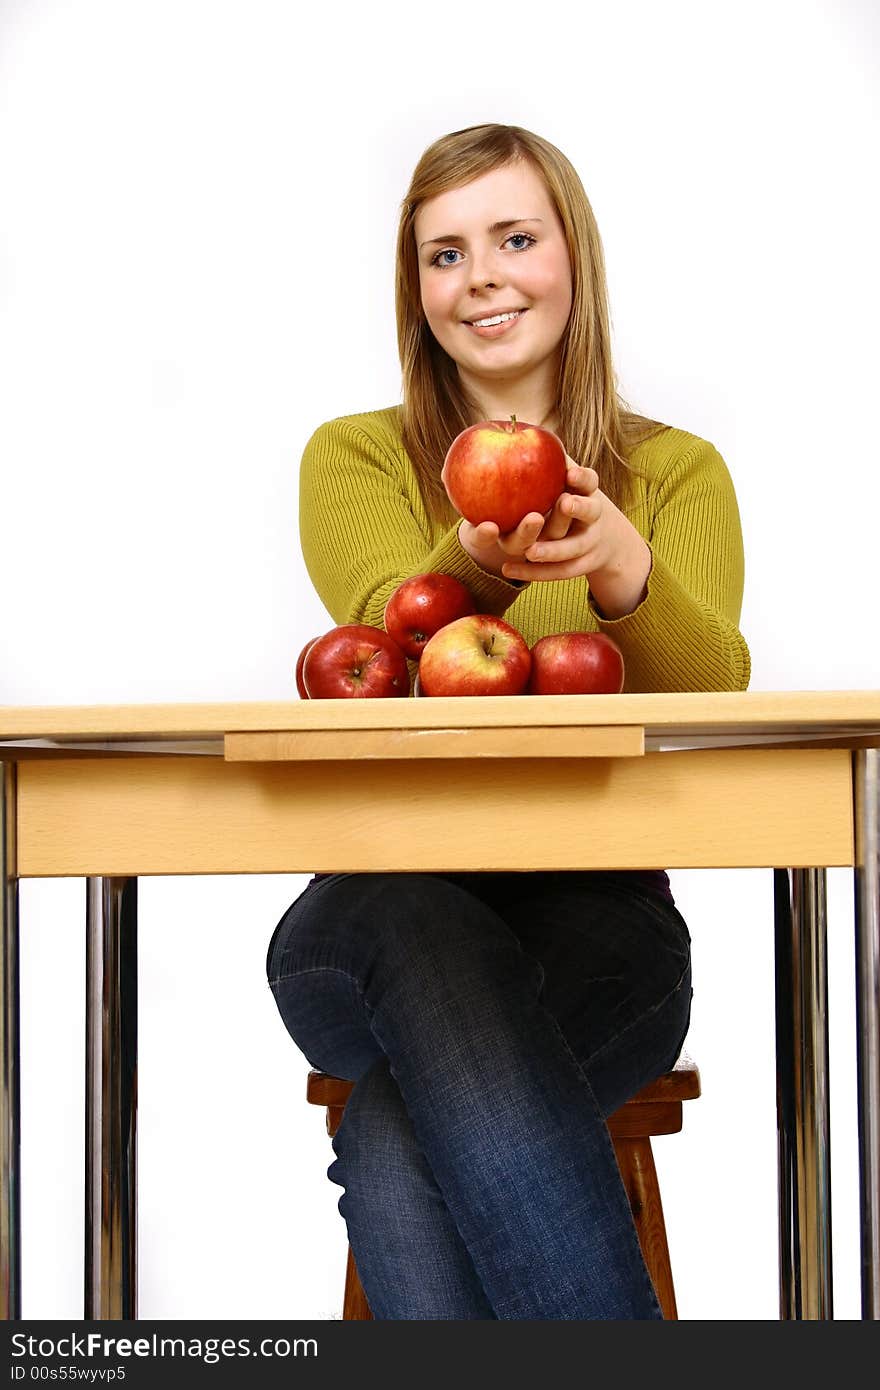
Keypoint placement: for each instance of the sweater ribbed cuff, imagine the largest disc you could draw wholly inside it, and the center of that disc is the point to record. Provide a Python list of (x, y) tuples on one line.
[(671, 642)]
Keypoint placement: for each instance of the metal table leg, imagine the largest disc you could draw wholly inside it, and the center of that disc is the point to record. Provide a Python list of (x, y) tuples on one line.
[(111, 1098), (866, 782), (802, 1101), (10, 1113)]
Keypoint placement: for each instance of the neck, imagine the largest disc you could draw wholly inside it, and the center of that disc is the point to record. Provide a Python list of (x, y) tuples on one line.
[(526, 412), (531, 401)]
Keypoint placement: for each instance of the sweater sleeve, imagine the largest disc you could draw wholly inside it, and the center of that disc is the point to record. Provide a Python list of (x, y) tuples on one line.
[(360, 532), (684, 635)]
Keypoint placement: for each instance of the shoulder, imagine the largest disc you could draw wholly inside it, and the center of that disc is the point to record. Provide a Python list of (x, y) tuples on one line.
[(673, 456), (670, 446), (374, 430)]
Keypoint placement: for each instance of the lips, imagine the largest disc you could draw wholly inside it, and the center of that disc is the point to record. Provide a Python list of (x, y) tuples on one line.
[(494, 313), (489, 332)]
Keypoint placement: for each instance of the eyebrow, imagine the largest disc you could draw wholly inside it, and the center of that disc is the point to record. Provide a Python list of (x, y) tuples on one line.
[(496, 227)]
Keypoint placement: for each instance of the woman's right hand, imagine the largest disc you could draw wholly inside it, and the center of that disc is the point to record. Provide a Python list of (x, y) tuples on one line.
[(490, 550)]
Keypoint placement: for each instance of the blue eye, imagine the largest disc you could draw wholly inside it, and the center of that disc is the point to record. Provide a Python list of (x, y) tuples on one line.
[(524, 237)]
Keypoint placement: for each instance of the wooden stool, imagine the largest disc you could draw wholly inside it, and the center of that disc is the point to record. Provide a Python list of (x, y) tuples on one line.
[(655, 1110)]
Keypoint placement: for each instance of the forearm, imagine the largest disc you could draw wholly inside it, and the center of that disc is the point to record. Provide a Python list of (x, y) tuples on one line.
[(673, 641), (619, 588)]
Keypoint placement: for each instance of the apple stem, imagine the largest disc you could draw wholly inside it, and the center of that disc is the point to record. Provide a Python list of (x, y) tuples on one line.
[(512, 425)]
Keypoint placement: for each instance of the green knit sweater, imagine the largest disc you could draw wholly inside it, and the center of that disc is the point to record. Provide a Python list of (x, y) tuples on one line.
[(364, 530)]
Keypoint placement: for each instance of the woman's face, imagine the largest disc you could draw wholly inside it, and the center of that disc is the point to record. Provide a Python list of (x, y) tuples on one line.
[(496, 245)]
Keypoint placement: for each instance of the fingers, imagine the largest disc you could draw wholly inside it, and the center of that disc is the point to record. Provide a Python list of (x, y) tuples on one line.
[(486, 533), (525, 569), (572, 508), (583, 480), (552, 557), (557, 523), (518, 541), (571, 547)]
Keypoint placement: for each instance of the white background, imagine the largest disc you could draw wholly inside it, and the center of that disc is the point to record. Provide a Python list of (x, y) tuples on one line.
[(196, 269)]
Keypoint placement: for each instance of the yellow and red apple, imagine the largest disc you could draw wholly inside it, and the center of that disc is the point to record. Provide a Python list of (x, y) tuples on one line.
[(475, 655), (500, 470)]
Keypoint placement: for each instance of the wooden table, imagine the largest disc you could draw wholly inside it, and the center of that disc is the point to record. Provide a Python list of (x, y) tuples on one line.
[(786, 780)]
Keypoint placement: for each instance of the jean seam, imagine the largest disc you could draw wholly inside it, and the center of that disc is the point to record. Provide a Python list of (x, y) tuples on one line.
[(648, 1013), (317, 970)]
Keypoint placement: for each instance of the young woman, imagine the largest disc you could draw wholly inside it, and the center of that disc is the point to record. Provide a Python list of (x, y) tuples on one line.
[(492, 1021)]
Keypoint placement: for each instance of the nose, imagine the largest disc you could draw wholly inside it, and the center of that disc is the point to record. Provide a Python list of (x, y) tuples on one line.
[(485, 273)]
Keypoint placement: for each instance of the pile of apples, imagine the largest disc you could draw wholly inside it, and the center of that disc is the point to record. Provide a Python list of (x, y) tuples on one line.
[(432, 619), (497, 471)]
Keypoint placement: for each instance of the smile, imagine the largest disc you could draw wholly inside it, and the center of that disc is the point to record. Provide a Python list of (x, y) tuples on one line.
[(497, 324), (497, 318)]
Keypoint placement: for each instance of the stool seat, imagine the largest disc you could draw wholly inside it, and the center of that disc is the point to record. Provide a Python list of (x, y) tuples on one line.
[(655, 1109)]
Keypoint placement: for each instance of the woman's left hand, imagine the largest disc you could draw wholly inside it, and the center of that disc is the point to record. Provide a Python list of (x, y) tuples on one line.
[(585, 534)]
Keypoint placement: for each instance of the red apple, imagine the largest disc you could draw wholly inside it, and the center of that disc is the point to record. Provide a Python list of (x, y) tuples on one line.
[(576, 663), (420, 606), (475, 655), (499, 470), (354, 661), (300, 660)]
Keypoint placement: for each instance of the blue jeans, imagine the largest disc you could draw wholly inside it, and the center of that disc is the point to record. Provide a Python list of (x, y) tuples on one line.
[(490, 1022)]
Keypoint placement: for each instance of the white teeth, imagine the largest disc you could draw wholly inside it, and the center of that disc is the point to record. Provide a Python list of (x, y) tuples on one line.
[(499, 318)]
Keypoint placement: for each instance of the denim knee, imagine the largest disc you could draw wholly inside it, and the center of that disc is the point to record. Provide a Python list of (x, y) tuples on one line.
[(377, 1155), (391, 931), (367, 962), (411, 1259)]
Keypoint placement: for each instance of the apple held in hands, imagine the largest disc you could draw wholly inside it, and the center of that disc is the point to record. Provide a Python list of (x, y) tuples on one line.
[(475, 655), (423, 604), (354, 661), (500, 470), (576, 663)]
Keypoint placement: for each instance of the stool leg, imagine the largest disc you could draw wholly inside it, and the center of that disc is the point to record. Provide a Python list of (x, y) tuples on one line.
[(636, 1162), (355, 1307)]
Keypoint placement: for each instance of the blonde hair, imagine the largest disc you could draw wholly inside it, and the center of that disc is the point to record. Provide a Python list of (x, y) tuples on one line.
[(596, 426)]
